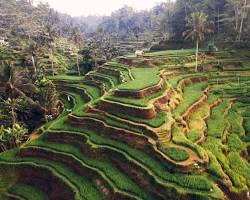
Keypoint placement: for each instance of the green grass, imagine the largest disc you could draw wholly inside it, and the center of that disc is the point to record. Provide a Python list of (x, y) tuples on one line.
[(214, 145), (109, 81), (176, 79), (123, 68), (93, 91), (217, 123), (144, 78), (214, 166), (79, 103), (113, 121), (156, 122), (240, 165), (178, 137), (229, 90), (192, 182), (66, 77), (211, 99), (246, 125), (235, 143), (226, 139), (103, 167), (8, 178), (82, 188), (191, 94), (183, 52), (193, 136), (28, 192), (144, 102), (176, 153)]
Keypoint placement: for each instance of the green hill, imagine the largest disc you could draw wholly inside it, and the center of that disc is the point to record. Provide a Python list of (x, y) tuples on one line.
[(142, 128)]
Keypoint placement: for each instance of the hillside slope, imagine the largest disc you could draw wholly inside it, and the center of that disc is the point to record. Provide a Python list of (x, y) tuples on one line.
[(142, 128)]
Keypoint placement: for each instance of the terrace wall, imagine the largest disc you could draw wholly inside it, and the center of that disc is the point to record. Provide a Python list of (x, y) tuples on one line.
[(145, 113), (81, 170), (112, 72), (132, 139), (164, 100), (44, 180), (131, 169)]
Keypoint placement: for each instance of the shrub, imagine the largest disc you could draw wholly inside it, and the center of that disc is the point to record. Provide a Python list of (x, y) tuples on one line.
[(217, 122), (193, 136), (214, 166), (235, 143), (240, 165)]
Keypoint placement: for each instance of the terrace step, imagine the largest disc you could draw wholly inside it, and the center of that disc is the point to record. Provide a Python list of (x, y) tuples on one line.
[(117, 154), (135, 111), (24, 191), (195, 106), (193, 159), (125, 69), (112, 72), (140, 93), (158, 99), (93, 174), (139, 141), (106, 80), (164, 132), (84, 95), (198, 122), (45, 176)]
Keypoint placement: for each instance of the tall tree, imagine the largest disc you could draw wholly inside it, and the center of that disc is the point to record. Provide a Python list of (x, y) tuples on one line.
[(198, 25), (51, 34), (19, 85), (236, 15), (77, 39), (88, 58)]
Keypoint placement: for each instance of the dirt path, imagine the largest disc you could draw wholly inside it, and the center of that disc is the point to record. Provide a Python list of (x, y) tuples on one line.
[(35, 134)]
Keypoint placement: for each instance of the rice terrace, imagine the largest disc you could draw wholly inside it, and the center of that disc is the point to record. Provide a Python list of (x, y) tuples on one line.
[(157, 123)]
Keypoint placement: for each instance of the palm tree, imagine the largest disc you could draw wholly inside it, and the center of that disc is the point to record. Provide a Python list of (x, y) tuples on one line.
[(198, 25), (19, 85), (12, 137), (11, 105), (77, 39)]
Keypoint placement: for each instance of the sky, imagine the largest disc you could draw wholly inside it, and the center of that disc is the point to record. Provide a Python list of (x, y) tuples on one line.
[(97, 7)]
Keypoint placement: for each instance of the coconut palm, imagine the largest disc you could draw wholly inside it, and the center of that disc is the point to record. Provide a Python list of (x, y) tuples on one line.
[(11, 105), (6, 140), (19, 85), (198, 25)]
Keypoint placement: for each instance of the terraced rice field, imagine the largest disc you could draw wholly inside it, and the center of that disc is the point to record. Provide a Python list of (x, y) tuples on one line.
[(142, 128)]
